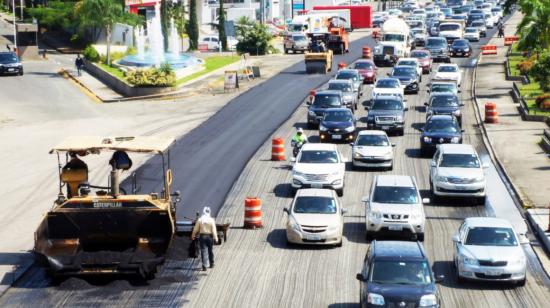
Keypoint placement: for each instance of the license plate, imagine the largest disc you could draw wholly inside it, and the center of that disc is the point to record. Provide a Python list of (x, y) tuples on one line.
[(493, 273), (313, 237), (459, 53), (316, 185), (336, 136), (11, 69), (395, 228), (385, 127)]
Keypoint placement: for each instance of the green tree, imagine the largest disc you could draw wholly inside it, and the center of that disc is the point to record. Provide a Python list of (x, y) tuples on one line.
[(254, 37), (104, 14), (541, 71), (534, 28), (221, 27), (193, 26), (165, 18)]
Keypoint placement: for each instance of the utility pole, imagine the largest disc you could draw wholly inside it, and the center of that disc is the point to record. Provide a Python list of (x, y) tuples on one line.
[(14, 28)]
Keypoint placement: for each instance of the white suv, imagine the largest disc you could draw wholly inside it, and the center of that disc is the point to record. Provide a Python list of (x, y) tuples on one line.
[(456, 170), (395, 206), (315, 217), (319, 165)]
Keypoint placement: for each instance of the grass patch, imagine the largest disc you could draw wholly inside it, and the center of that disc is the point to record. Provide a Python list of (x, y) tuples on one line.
[(210, 64), (513, 61), (113, 71), (529, 92), (515, 47)]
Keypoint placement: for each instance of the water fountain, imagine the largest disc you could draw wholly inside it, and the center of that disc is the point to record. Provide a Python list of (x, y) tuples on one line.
[(182, 63)]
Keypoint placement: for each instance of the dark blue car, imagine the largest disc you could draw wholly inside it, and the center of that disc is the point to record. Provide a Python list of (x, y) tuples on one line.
[(321, 102), (439, 129), (444, 103), (408, 77), (398, 274), (338, 124)]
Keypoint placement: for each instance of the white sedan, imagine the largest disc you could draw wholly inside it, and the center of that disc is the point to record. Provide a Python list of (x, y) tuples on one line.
[(472, 34), (449, 72), (388, 86), (488, 249)]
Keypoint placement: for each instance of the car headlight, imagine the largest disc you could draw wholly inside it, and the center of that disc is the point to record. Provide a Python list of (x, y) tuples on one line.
[(293, 224), (456, 112), (298, 174), (454, 140), (399, 118), (518, 261), (479, 179), (428, 300), (440, 178), (333, 227), (357, 155), (375, 215), (427, 139), (469, 261), (387, 154), (322, 128), (349, 129), (416, 216), (375, 299), (337, 182), (311, 113)]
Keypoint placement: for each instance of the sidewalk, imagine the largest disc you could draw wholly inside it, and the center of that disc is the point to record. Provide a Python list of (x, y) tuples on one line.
[(515, 141)]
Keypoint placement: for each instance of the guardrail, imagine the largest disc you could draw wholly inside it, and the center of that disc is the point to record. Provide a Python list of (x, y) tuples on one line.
[(545, 142)]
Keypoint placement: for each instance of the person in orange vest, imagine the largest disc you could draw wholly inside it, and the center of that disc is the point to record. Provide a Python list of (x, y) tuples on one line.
[(205, 228)]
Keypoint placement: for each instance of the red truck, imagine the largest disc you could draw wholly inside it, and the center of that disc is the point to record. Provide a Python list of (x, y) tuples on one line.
[(361, 15)]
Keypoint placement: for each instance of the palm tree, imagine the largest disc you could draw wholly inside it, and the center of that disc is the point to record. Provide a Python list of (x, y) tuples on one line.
[(104, 14), (534, 28)]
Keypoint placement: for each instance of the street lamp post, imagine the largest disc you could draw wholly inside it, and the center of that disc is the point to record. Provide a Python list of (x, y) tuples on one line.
[(14, 28)]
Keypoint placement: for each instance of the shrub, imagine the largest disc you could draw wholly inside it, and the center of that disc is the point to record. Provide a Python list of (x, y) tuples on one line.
[(91, 54), (541, 71), (526, 65), (543, 101), (166, 68), (115, 56), (131, 51), (253, 37), (152, 77)]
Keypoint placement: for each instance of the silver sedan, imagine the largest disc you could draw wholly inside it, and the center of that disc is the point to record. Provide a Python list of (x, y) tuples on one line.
[(489, 249)]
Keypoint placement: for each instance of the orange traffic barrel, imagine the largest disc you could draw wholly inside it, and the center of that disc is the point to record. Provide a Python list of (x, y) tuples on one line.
[(366, 52), (278, 149), (491, 114), (252, 213), (341, 65)]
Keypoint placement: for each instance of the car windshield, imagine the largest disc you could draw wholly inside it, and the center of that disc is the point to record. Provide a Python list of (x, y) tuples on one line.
[(340, 86), (386, 104), (372, 141), (443, 88), (326, 101), (314, 205), (460, 43), (447, 69), (459, 161), (338, 116), (490, 236), (318, 157), (408, 63), (387, 83), (419, 54), (8, 58), (441, 126), (444, 101), (403, 71), (299, 38), (364, 65), (417, 31), (436, 42), (478, 24), (448, 27), (401, 272), (395, 194), (394, 37), (471, 30), (346, 75)]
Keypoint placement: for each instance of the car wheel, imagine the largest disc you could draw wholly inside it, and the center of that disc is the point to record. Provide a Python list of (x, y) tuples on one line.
[(480, 200), (340, 192), (340, 244), (401, 132), (286, 51), (21, 73), (521, 283), (293, 191), (310, 125), (356, 106), (390, 168), (459, 278), (420, 237), (369, 236), (289, 243)]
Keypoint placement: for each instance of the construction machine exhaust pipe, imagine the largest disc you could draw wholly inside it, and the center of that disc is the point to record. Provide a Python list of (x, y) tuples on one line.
[(115, 183)]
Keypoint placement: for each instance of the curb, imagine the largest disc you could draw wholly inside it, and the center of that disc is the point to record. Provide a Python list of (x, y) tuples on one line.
[(16, 273), (539, 231), (85, 89), (521, 204)]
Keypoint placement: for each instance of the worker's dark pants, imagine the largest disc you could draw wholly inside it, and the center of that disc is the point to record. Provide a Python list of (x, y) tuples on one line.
[(207, 254)]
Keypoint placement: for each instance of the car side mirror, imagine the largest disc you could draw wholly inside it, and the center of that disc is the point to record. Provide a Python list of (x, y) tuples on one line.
[(406, 109), (293, 159), (462, 130), (360, 277), (388, 74), (351, 144), (456, 238), (426, 200), (344, 160), (461, 104), (421, 129), (425, 104), (343, 211), (429, 91), (285, 210), (485, 165), (432, 163), (308, 102), (365, 199), (393, 144), (523, 240), (439, 278), (371, 86), (367, 107)]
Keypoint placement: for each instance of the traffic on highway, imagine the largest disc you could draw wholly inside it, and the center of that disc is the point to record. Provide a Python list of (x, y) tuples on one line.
[(383, 192)]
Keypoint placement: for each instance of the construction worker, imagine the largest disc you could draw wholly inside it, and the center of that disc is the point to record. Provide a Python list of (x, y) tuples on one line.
[(205, 228)]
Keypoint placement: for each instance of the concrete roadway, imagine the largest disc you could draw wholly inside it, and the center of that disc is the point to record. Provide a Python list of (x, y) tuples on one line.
[(255, 268)]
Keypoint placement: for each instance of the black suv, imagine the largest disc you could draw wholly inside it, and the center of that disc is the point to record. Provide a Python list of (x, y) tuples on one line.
[(387, 113), (9, 64), (439, 49), (321, 102), (398, 274)]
